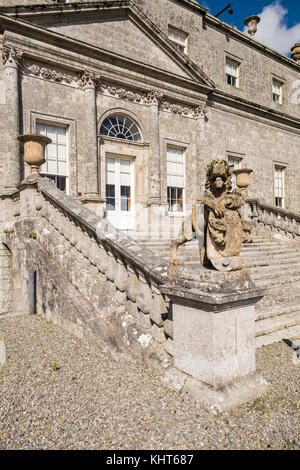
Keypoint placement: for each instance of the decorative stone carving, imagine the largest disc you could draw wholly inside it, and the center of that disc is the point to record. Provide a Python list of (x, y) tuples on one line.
[(200, 111), (48, 73), (88, 79), (154, 97), (224, 228), (11, 57), (34, 151), (122, 93), (194, 112)]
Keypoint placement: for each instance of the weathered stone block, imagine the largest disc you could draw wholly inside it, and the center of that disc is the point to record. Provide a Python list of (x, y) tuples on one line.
[(168, 327), (158, 333), (216, 347), (169, 346), (143, 321), (144, 296), (131, 308), (133, 285), (121, 276), (111, 268), (157, 308)]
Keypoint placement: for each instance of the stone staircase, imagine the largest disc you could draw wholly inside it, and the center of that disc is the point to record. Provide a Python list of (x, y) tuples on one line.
[(273, 266)]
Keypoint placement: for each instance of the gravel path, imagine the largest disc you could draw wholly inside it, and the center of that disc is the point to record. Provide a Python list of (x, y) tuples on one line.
[(58, 392)]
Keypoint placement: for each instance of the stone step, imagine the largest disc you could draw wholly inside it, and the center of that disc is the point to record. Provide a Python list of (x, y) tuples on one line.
[(249, 259), (284, 269), (271, 278), (280, 295), (281, 308), (292, 332), (269, 325)]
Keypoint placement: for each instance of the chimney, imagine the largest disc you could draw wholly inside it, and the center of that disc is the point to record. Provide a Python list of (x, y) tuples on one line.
[(252, 22), (296, 52)]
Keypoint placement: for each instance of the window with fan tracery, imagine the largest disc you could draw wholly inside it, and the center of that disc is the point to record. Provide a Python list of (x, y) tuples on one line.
[(120, 127)]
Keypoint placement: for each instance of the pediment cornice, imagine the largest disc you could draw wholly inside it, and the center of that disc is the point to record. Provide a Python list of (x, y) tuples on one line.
[(41, 15), (88, 78)]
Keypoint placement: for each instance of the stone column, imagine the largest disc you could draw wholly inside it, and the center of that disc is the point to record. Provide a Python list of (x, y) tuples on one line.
[(154, 99), (200, 114), (91, 197), (12, 60), (214, 337)]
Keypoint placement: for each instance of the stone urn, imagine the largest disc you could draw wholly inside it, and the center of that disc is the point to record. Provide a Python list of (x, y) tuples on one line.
[(252, 22), (242, 177), (296, 52), (34, 151)]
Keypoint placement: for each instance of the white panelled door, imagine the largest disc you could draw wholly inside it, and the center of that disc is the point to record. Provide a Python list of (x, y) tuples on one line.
[(120, 192)]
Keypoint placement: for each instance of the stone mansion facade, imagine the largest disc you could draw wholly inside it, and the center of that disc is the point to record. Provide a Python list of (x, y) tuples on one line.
[(138, 96)]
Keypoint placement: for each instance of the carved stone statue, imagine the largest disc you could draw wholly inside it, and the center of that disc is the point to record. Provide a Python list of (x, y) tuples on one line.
[(224, 228)]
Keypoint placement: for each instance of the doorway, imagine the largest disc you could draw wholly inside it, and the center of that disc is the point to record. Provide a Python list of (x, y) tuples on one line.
[(119, 173)]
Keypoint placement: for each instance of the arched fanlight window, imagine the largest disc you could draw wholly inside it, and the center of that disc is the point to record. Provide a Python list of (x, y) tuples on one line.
[(120, 127)]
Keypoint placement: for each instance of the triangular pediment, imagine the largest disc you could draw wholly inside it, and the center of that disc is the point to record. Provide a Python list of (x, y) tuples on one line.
[(124, 38), (119, 28)]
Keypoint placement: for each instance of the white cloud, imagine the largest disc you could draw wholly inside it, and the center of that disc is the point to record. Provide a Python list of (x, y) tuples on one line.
[(273, 31)]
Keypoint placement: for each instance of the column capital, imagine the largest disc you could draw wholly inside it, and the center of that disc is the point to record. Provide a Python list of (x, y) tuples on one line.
[(89, 80), (154, 97), (11, 57), (200, 111)]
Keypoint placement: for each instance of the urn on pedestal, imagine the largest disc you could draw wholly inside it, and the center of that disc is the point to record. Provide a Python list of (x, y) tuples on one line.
[(252, 22), (34, 151)]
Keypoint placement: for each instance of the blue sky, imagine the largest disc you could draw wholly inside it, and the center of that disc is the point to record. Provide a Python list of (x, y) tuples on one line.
[(279, 27)]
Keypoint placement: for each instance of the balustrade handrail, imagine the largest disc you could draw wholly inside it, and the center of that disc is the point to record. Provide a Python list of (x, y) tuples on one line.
[(275, 209), (154, 267)]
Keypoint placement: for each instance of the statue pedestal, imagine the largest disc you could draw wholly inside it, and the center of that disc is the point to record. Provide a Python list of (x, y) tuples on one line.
[(94, 202), (214, 337)]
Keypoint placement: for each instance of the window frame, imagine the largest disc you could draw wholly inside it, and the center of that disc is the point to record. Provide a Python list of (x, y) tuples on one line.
[(237, 63), (182, 46), (283, 167), (183, 150), (237, 158), (275, 80), (120, 139), (53, 176)]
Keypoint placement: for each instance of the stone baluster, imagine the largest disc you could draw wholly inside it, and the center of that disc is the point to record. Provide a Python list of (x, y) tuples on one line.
[(12, 60)]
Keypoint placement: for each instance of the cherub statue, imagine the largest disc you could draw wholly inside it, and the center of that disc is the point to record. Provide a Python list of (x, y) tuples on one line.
[(224, 228)]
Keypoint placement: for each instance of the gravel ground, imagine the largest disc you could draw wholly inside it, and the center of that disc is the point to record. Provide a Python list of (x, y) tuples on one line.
[(58, 392)]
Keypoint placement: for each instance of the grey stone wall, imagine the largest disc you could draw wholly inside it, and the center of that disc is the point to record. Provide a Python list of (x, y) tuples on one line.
[(227, 128), (2, 124), (50, 102), (208, 44), (89, 278)]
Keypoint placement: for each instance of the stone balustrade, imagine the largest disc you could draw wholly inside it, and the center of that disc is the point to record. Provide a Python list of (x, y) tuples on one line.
[(281, 223), (109, 269), (82, 273)]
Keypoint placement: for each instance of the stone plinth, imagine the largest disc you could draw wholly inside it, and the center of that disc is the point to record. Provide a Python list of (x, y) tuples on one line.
[(214, 336)]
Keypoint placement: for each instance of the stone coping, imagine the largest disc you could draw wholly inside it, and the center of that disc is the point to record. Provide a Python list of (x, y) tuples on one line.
[(269, 207), (102, 230), (214, 289), (211, 19)]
